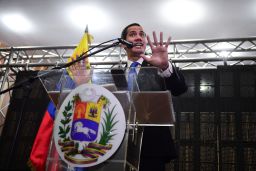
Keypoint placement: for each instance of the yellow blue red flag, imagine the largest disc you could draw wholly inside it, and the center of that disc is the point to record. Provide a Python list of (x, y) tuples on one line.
[(82, 48), (38, 155)]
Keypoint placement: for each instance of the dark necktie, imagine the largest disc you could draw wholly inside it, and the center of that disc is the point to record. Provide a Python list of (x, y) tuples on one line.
[(132, 75)]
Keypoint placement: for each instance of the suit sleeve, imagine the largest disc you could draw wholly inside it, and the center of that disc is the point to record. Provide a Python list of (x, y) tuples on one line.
[(176, 82)]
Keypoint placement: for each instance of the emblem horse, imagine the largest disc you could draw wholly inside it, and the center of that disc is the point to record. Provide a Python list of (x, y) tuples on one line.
[(85, 130)]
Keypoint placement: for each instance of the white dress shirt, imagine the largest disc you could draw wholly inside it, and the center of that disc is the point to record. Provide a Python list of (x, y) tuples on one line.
[(165, 73)]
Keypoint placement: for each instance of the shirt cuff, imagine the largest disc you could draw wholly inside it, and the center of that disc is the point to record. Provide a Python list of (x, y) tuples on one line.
[(168, 72)]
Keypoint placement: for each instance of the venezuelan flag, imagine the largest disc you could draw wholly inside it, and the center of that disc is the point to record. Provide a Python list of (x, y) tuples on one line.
[(40, 147), (38, 155), (82, 48)]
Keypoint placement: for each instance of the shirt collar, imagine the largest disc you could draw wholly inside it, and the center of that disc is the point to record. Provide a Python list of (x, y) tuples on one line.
[(129, 62)]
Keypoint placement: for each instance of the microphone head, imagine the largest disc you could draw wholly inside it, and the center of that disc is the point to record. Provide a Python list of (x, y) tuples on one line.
[(125, 42)]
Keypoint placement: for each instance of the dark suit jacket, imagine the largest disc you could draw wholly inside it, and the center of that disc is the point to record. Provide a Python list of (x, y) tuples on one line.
[(157, 141)]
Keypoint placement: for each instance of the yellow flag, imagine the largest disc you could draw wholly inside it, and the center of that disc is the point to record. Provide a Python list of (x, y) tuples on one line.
[(81, 48)]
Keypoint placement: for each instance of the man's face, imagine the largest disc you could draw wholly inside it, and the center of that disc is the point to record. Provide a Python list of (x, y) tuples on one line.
[(137, 36)]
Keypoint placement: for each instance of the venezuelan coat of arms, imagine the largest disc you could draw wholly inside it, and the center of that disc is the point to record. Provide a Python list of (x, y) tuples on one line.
[(89, 126)]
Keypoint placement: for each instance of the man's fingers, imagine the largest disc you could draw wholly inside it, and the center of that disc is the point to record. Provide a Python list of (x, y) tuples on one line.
[(155, 39), (161, 39), (145, 57), (168, 42)]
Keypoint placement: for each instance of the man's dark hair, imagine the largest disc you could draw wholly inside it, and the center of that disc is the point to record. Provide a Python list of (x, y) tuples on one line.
[(125, 30)]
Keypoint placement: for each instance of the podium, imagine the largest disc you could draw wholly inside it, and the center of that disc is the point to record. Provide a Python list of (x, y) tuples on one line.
[(144, 105)]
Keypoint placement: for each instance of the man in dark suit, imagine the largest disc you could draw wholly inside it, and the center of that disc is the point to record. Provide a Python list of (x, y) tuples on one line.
[(157, 145)]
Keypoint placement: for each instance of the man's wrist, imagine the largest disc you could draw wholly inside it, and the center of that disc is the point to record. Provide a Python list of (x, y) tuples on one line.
[(165, 67), (168, 71)]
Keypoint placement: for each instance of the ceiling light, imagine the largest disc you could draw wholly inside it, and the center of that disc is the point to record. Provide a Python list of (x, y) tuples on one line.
[(182, 12), (17, 22), (93, 16)]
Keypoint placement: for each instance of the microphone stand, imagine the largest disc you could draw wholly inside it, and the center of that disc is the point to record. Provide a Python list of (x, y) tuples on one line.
[(81, 57), (27, 82)]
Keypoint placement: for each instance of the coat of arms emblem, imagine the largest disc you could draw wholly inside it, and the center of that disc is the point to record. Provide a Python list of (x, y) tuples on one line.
[(89, 127)]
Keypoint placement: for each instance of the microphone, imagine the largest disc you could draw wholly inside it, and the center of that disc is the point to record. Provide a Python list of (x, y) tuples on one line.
[(125, 42)]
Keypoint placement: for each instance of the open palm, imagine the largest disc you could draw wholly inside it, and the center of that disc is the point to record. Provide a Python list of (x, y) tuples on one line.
[(159, 50)]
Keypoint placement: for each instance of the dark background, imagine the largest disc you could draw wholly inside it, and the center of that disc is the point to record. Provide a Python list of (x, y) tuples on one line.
[(215, 128)]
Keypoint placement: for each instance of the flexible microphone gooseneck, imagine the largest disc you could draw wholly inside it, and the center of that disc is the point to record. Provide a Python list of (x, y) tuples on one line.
[(125, 42)]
